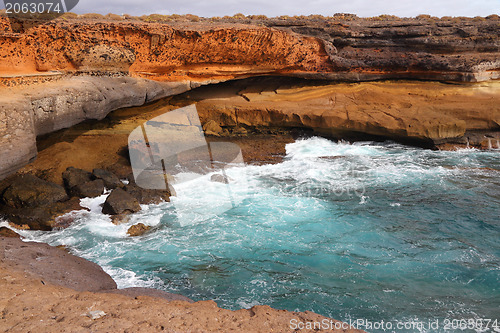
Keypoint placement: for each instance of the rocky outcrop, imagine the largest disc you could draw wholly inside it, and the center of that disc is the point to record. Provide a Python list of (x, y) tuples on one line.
[(425, 114), (344, 48), (8, 233), (30, 202), (41, 109), (146, 196), (120, 202), (429, 48), (54, 266), (138, 229), (28, 191), (56, 290), (110, 180), (81, 183), (185, 56)]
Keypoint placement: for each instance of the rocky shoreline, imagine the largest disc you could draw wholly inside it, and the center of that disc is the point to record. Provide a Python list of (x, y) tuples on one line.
[(45, 289), (259, 84)]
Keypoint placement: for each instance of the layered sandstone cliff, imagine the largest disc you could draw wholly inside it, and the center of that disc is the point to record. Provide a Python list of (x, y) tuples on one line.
[(63, 72), (361, 49)]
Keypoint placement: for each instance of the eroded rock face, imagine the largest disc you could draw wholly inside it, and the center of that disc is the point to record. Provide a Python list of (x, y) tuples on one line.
[(185, 56), (54, 266), (8, 233), (336, 48), (456, 49), (421, 113), (102, 58), (28, 191)]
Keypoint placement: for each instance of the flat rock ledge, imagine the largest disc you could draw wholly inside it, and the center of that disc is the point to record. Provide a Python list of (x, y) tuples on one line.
[(46, 289)]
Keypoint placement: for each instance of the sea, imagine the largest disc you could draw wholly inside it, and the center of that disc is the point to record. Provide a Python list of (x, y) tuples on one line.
[(377, 234)]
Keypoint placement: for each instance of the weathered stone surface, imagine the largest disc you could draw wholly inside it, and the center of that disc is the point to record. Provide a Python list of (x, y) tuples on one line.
[(102, 58), (28, 191), (190, 55), (421, 113), (54, 308), (70, 101), (73, 177), (111, 181), (54, 266), (43, 217), (81, 183), (336, 48), (212, 128), (119, 202), (146, 196), (17, 134), (90, 189), (41, 109), (139, 291), (138, 229)]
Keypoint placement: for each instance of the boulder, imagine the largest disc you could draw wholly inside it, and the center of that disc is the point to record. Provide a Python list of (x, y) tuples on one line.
[(53, 266), (43, 217), (28, 191), (111, 181), (89, 189), (138, 229), (81, 183), (73, 177), (119, 202), (8, 233), (146, 196), (211, 127)]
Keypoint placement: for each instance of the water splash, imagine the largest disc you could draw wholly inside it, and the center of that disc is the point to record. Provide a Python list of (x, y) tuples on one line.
[(302, 238)]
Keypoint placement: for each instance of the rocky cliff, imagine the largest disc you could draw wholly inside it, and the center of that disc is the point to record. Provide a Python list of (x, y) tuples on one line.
[(63, 72), (458, 49)]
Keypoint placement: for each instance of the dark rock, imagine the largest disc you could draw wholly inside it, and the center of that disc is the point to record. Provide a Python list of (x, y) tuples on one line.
[(138, 229), (138, 291), (28, 191), (81, 183), (43, 217), (145, 196), (54, 266), (89, 189), (73, 177), (119, 202), (8, 233), (111, 181)]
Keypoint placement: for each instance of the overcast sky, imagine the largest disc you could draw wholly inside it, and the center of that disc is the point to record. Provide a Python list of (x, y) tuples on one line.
[(294, 7), (402, 8)]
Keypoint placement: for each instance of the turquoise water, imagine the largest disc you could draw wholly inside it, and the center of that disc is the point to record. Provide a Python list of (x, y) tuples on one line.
[(377, 231)]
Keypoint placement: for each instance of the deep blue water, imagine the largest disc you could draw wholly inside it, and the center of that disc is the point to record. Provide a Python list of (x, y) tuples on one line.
[(377, 231)]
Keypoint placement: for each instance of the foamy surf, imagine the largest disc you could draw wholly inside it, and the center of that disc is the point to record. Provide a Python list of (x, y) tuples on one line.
[(344, 230)]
